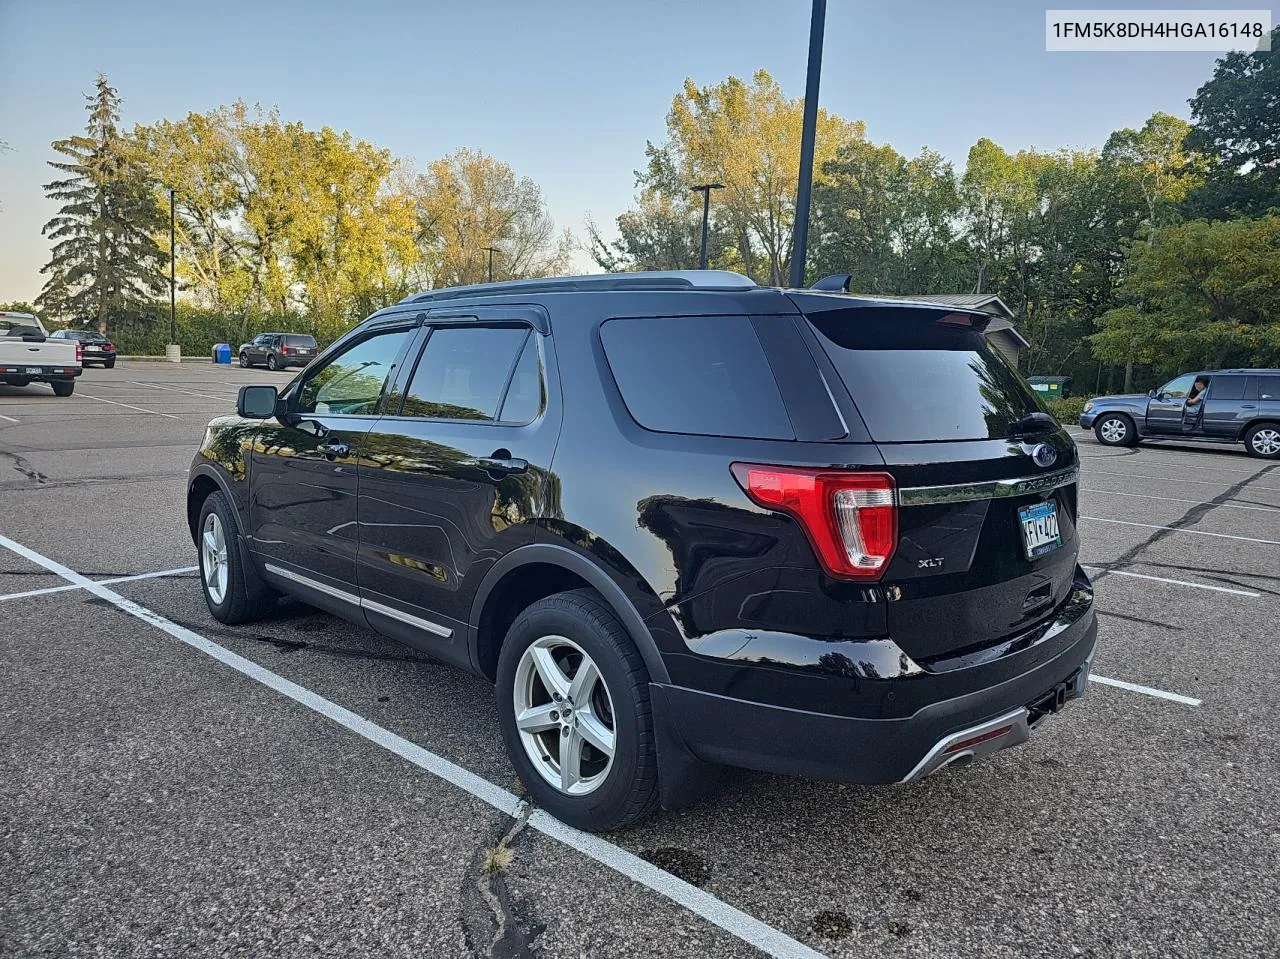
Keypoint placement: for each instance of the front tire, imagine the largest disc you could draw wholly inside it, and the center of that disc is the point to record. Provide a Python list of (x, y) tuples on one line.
[(63, 388), (272, 364), (573, 703), (233, 589), (1263, 441), (1115, 429)]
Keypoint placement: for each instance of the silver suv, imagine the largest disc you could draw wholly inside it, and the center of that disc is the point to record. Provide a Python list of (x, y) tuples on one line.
[(1236, 406)]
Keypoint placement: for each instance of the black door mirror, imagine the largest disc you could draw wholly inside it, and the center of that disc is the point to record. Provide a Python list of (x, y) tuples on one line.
[(257, 402)]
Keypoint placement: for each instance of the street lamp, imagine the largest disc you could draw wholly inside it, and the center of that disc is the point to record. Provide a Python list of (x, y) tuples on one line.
[(174, 352), (705, 189), (801, 233)]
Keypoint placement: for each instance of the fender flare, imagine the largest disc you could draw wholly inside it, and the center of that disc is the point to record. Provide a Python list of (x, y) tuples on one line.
[(596, 578), (206, 470)]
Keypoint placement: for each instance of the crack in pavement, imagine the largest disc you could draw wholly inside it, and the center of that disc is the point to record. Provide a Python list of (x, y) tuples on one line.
[(487, 908)]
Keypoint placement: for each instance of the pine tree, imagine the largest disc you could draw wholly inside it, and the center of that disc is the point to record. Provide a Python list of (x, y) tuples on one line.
[(105, 261)]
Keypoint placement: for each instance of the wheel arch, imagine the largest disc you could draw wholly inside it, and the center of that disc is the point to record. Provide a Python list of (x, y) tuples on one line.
[(204, 481), (540, 569)]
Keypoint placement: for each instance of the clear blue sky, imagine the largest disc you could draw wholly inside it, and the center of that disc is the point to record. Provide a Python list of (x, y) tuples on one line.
[(567, 92)]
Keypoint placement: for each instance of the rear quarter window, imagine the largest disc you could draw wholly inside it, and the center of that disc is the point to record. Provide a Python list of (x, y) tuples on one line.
[(704, 375), (915, 377)]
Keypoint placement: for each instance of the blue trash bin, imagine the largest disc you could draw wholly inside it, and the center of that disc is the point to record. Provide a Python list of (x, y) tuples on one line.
[(222, 353)]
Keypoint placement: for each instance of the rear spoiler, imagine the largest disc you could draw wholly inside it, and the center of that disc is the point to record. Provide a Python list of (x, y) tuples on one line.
[(817, 299)]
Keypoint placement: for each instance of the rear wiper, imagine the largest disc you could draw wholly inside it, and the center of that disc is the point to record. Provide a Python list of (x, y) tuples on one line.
[(1031, 424)]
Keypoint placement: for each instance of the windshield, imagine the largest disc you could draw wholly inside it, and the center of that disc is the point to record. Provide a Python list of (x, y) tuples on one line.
[(914, 378)]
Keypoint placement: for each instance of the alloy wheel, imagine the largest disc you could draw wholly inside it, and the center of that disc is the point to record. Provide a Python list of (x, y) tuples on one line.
[(564, 715), (213, 558), (1266, 441), (1113, 430)]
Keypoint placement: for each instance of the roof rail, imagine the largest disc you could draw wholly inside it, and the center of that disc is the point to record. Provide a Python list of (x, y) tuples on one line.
[(666, 280)]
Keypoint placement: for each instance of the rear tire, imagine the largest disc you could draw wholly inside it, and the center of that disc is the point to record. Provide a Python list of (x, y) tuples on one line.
[(572, 646), (109, 365), (244, 361), (1263, 441), (61, 388), (233, 589), (1115, 429)]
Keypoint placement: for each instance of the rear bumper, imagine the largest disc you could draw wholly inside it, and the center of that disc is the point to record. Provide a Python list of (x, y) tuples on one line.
[(735, 732), (45, 374)]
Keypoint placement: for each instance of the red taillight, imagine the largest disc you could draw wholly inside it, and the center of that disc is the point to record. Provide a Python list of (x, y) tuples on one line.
[(850, 518), (109, 347), (79, 352)]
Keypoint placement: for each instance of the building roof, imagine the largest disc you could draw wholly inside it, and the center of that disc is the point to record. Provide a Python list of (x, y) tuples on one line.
[(987, 302)]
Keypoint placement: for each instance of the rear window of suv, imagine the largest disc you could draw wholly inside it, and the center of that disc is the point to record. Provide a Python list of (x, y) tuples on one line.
[(294, 339), (705, 375), (916, 376)]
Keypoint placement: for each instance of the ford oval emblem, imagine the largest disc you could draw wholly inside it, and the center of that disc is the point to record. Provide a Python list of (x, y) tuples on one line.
[(1044, 455)]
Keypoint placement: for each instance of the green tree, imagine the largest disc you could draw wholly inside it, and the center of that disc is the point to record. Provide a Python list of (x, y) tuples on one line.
[(469, 201), (1154, 167), (105, 262), (1236, 121), (1204, 294)]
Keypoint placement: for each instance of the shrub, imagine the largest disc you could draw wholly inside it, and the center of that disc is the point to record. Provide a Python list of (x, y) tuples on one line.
[(1066, 410)]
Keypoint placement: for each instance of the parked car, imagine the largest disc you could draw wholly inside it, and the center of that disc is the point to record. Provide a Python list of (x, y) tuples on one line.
[(278, 351), (95, 348), (679, 520), (1239, 406), (29, 355)]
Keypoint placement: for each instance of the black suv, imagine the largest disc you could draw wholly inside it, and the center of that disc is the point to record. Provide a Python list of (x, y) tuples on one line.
[(680, 520)]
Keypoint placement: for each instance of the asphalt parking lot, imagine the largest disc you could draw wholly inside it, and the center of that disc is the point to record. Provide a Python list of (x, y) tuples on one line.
[(302, 787)]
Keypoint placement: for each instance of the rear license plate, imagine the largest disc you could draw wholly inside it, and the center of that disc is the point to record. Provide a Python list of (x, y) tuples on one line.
[(35, 369), (1040, 533)]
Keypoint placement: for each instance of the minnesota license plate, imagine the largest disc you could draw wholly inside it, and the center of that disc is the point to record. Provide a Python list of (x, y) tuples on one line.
[(1040, 533)]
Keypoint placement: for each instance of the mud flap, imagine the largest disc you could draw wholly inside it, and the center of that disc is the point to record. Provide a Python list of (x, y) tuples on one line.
[(683, 778)]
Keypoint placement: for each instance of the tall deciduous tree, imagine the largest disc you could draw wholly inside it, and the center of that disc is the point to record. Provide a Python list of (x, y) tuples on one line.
[(1236, 120), (747, 137), (105, 261), (1154, 166), (470, 201)]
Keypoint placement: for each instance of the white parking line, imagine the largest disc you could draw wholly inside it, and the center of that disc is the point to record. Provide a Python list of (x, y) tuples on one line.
[(101, 582), (1102, 570), (9, 418), (734, 921), (1089, 470), (1174, 529), (1145, 690), (140, 409), (174, 389), (1175, 499)]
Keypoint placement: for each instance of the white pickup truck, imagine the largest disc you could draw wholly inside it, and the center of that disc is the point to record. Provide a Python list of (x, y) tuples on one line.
[(28, 355)]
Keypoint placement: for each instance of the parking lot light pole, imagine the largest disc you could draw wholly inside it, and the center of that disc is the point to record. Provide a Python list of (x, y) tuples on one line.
[(491, 252), (808, 133), (173, 352), (705, 189)]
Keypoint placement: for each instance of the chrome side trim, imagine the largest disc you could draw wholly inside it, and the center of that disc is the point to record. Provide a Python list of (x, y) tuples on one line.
[(419, 622), (937, 757), (992, 489), (389, 611), (319, 587)]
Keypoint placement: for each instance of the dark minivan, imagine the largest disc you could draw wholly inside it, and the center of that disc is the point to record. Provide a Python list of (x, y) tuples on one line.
[(681, 521), (278, 351)]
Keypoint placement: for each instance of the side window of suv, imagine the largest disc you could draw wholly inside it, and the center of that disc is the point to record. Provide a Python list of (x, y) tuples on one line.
[(1269, 389), (1232, 388), (350, 383), (464, 373), (704, 375), (1179, 388)]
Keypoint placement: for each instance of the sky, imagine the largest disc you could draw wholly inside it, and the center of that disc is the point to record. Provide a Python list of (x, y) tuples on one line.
[(566, 92)]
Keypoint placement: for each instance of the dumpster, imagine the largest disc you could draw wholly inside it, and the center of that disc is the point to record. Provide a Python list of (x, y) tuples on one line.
[(1050, 387), (222, 353)]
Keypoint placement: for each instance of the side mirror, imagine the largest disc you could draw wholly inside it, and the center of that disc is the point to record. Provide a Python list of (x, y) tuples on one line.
[(1153, 394), (257, 402)]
